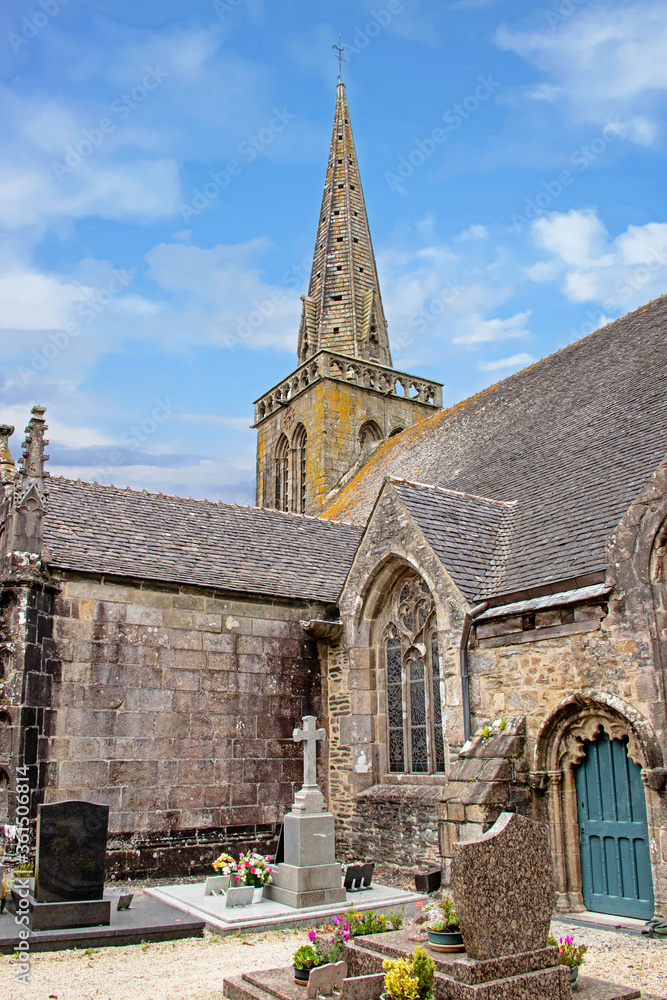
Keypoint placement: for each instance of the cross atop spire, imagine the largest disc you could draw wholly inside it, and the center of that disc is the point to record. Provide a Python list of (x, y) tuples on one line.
[(342, 311)]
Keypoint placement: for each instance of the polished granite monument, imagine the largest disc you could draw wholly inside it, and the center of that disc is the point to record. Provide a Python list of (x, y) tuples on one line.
[(309, 874), (69, 870)]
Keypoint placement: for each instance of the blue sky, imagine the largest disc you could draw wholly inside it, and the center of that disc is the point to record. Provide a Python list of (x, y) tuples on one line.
[(160, 180)]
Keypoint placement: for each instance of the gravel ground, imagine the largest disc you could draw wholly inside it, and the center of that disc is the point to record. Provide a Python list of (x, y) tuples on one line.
[(193, 969), (628, 959)]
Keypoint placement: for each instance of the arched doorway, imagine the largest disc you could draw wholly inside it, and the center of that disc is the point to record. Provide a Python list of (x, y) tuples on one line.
[(613, 830), (593, 749)]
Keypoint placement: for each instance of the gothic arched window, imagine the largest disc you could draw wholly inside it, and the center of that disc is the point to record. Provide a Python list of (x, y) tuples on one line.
[(369, 434), (415, 691), (282, 473), (300, 446)]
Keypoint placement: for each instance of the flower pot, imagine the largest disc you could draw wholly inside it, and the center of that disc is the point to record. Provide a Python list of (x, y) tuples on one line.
[(301, 976), (257, 893), (445, 941), (574, 972)]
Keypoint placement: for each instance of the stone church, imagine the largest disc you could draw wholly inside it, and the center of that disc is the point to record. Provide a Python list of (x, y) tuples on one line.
[(472, 601)]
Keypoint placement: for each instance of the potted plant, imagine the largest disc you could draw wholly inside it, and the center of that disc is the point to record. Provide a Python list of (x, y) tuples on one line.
[(443, 927), (254, 869), (570, 954), (409, 978), (320, 951)]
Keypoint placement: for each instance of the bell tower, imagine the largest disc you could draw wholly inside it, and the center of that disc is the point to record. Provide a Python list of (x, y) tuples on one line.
[(318, 426)]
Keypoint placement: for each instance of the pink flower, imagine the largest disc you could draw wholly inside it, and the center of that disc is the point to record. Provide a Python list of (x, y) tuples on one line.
[(312, 935)]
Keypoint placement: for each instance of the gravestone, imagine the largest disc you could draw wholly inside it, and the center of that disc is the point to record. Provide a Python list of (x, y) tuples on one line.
[(71, 850), (69, 870), (503, 889), (309, 874)]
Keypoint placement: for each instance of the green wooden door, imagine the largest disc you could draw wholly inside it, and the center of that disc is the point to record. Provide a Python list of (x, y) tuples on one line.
[(613, 831)]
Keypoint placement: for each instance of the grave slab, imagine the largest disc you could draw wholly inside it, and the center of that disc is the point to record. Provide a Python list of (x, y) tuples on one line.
[(147, 919), (268, 914)]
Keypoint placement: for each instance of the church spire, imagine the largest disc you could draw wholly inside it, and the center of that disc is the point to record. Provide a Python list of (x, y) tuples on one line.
[(342, 311)]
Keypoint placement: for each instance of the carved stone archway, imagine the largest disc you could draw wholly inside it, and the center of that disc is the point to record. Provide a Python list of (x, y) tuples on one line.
[(560, 746)]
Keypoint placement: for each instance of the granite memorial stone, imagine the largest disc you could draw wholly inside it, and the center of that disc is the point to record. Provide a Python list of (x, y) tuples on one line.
[(309, 874), (503, 889), (240, 896), (71, 850), (69, 870)]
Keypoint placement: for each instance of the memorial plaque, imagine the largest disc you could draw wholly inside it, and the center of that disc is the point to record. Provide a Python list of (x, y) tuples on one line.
[(71, 850), (124, 900), (239, 897), (216, 885)]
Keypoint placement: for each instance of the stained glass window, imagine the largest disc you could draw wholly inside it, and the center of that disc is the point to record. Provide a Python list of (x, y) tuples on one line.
[(415, 685), (395, 703), (438, 735)]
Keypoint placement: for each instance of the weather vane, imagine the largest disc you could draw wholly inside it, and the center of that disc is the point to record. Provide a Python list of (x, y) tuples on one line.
[(340, 57)]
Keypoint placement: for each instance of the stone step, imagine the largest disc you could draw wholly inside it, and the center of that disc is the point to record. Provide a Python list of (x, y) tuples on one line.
[(237, 988), (460, 978)]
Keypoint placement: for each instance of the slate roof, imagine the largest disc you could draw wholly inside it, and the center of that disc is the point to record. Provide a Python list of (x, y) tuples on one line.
[(469, 534), (103, 529), (572, 439)]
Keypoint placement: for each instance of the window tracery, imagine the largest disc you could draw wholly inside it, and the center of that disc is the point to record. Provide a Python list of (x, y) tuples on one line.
[(415, 692), (282, 473), (300, 445)]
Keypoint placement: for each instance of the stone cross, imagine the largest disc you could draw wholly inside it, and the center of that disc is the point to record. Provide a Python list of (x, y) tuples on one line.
[(310, 735)]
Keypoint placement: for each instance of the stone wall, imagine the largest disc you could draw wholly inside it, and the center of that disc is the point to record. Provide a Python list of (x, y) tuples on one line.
[(175, 706), (556, 677), (333, 413), (398, 812)]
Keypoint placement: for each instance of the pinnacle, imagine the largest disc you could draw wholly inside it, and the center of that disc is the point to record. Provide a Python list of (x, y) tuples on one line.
[(343, 309)]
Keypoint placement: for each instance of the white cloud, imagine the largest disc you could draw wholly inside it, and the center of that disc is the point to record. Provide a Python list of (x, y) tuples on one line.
[(620, 273), (33, 301), (474, 232), (601, 62), (484, 331), (516, 361), (223, 297)]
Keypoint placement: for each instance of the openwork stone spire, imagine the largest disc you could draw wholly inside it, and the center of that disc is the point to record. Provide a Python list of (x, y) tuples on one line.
[(343, 309)]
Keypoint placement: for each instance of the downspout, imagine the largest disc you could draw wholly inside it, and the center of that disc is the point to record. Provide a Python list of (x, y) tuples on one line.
[(463, 653)]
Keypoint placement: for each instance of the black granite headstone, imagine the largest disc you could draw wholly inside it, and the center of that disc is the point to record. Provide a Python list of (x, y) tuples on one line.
[(71, 849)]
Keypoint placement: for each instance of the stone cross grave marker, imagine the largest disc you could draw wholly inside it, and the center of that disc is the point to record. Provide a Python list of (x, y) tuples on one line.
[(309, 735)]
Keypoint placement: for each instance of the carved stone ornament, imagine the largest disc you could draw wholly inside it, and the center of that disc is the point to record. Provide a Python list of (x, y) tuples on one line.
[(655, 778), (329, 632)]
